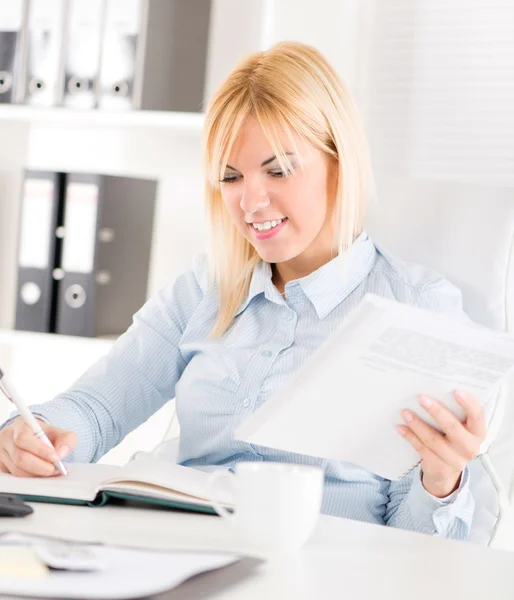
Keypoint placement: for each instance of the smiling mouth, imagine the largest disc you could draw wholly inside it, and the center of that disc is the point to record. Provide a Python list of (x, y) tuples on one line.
[(267, 225)]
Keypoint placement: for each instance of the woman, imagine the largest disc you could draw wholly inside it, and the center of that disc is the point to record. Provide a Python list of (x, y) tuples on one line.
[(287, 180)]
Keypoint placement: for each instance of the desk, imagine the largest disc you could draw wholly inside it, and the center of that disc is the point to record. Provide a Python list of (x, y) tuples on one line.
[(343, 559)]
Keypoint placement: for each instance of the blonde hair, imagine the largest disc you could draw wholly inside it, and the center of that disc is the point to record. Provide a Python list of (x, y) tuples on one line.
[(290, 87)]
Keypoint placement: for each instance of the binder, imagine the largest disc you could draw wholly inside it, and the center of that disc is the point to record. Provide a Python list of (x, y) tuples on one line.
[(154, 54), (38, 250), (82, 51), (108, 223), (44, 72), (12, 18)]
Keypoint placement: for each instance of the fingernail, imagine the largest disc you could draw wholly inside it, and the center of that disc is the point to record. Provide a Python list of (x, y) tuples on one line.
[(425, 401), (401, 430), (407, 415), (462, 396), (63, 451)]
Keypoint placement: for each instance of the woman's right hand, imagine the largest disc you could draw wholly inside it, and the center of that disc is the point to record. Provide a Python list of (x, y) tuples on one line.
[(24, 455)]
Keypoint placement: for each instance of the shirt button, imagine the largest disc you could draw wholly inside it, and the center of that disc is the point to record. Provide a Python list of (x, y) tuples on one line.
[(267, 353), (246, 402), (290, 316)]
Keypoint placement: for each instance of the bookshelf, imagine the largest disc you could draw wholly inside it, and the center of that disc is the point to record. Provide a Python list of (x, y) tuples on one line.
[(179, 122)]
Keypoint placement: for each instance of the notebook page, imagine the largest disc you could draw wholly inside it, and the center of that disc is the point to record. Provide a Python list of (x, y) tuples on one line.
[(81, 483), (161, 476)]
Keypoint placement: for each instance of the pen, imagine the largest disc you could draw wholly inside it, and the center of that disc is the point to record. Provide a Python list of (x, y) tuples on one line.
[(28, 417)]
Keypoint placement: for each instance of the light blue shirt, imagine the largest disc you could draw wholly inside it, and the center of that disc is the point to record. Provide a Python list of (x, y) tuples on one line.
[(218, 383)]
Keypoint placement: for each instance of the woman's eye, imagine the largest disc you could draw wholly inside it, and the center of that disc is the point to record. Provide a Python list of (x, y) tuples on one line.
[(280, 173), (229, 179)]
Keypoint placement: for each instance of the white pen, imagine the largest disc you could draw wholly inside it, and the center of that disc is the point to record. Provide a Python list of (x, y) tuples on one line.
[(10, 393)]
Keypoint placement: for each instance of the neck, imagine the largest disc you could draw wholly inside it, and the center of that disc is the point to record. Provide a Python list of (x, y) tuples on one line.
[(296, 269), (300, 266)]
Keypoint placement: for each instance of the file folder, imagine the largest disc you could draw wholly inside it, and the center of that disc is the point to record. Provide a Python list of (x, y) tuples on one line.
[(82, 51), (12, 18), (38, 250), (44, 72), (108, 224), (154, 54)]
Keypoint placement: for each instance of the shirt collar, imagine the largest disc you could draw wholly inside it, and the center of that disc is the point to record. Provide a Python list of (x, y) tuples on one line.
[(326, 287)]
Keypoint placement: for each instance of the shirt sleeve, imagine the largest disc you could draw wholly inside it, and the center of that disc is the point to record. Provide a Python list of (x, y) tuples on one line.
[(138, 376), (411, 507)]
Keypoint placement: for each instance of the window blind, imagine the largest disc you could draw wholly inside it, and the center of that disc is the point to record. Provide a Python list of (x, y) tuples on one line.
[(436, 86)]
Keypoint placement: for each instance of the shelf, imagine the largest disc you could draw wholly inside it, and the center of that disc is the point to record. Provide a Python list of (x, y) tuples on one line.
[(174, 121)]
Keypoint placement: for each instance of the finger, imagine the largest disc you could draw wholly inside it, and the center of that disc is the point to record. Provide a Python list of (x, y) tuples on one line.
[(4, 459), (25, 439), (464, 442), (25, 464), (434, 441), (475, 418), (11, 467), (63, 441), (424, 452)]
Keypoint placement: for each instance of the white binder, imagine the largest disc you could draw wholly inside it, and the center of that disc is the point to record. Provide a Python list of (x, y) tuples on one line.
[(82, 51), (43, 76), (154, 54), (12, 17), (120, 42)]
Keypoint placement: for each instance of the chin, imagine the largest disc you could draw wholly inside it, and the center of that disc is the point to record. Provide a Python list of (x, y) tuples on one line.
[(276, 255)]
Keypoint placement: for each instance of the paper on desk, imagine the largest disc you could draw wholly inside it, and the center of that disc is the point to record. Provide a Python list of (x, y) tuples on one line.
[(345, 402), (129, 574)]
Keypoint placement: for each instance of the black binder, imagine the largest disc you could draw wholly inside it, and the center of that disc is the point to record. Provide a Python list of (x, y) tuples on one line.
[(154, 54), (38, 250), (12, 19), (108, 224)]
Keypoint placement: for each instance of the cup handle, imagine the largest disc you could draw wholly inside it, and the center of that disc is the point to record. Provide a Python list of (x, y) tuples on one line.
[(213, 483)]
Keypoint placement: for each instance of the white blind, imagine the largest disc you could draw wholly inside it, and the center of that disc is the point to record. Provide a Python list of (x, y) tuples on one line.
[(436, 84)]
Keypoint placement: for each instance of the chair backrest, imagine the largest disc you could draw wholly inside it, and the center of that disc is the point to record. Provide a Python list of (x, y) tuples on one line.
[(466, 232)]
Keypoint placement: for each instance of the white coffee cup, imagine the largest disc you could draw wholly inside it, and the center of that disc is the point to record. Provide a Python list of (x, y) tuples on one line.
[(276, 505)]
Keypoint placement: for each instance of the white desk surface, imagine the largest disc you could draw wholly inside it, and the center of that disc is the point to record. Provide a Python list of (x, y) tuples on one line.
[(343, 559)]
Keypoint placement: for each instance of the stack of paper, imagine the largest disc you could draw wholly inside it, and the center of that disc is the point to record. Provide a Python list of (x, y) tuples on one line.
[(120, 572)]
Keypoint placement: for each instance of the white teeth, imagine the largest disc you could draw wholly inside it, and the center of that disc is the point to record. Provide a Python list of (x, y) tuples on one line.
[(266, 225)]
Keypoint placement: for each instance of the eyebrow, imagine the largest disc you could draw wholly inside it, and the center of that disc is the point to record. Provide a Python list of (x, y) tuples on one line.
[(266, 162)]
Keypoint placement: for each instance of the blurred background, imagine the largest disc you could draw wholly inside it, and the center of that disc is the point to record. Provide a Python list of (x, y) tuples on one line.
[(101, 185)]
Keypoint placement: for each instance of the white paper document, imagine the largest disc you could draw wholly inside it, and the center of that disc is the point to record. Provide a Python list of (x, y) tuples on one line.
[(346, 401), (124, 572)]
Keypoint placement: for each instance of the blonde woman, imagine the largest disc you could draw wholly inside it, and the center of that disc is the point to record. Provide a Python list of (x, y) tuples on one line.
[(288, 177)]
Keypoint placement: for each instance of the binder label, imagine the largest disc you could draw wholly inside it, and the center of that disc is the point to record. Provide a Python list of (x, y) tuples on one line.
[(11, 15), (36, 223), (80, 227)]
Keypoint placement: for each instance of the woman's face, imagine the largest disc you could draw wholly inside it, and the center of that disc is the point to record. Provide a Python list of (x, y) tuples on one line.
[(283, 217)]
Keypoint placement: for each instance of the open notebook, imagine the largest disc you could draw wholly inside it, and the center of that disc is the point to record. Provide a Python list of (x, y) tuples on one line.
[(148, 480)]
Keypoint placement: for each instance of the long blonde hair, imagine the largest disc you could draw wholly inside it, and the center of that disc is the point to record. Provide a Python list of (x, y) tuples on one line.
[(290, 87)]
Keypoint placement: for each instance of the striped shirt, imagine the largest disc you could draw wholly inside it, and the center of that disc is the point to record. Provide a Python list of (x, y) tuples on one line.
[(218, 383)]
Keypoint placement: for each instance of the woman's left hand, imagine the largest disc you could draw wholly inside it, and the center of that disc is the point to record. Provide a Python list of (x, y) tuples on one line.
[(445, 455)]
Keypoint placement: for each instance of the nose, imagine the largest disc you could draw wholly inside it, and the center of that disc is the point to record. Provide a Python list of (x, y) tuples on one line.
[(254, 200)]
